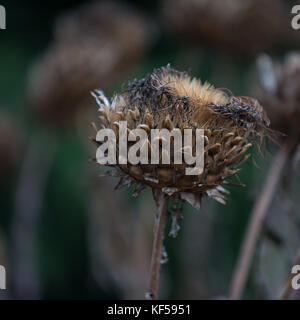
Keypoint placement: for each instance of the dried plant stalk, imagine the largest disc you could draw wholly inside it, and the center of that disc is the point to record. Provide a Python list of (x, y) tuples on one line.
[(157, 249), (28, 204), (255, 225)]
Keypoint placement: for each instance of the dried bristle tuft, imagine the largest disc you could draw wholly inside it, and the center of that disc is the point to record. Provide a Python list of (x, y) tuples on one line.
[(194, 89), (168, 91), (176, 86)]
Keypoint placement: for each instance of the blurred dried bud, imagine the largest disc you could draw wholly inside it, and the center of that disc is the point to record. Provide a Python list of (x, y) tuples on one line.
[(248, 26), (92, 45), (106, 22), (171, 99), (283, 103)]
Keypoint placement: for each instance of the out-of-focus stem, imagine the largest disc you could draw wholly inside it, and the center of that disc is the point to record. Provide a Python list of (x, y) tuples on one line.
[(28, 203), (159, 232), (255, 225)]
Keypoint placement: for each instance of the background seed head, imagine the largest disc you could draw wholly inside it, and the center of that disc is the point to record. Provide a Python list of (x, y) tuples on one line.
[(91, 46), (283, 103), (240, 27)]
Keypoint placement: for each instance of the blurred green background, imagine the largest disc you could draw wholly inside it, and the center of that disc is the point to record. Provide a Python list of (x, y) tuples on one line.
[(64, 232)]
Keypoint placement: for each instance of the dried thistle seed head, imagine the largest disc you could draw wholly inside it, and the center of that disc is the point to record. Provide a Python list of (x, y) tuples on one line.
[(169, 99), (91, 45), (283, 103), (247, 27)]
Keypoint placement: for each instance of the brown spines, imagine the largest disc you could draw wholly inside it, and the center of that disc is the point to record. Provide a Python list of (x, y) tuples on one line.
[(136, 172)]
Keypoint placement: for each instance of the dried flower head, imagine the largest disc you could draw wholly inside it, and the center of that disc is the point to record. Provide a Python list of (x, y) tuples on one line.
[(247, 27), (170, 99), (91, 45)]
